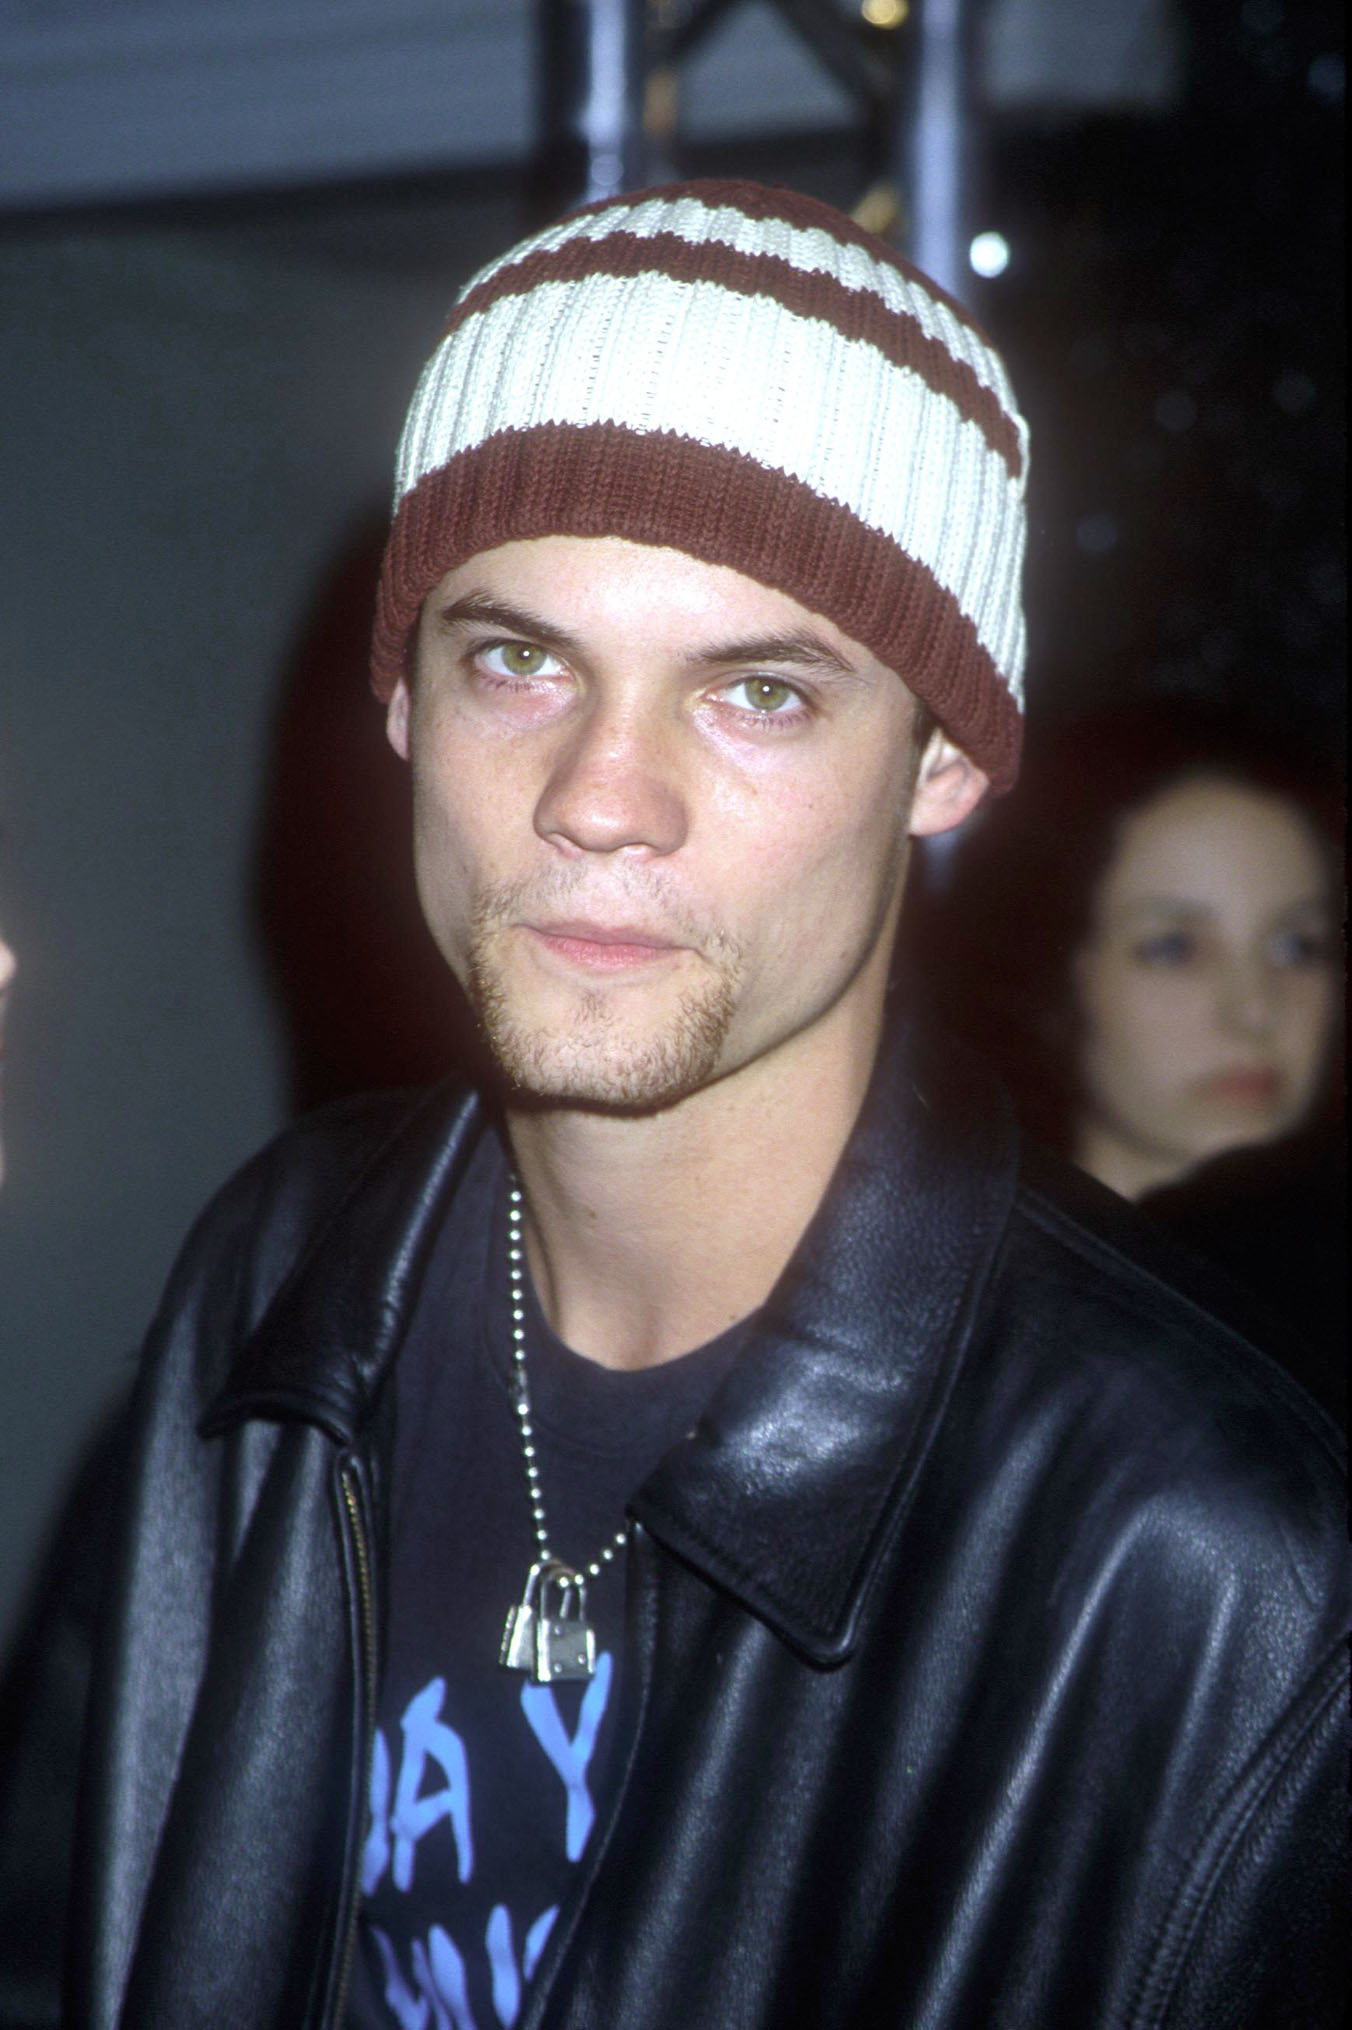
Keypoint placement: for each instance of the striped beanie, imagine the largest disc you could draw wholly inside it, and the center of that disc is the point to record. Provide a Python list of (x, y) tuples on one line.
[(744, 375)]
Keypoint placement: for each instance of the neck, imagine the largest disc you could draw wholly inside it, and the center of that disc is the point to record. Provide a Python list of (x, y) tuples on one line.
[(647, 1236), (1124, 1166)]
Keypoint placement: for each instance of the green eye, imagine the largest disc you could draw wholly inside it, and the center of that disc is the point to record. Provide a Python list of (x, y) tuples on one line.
[(521, 658), (767, 694)]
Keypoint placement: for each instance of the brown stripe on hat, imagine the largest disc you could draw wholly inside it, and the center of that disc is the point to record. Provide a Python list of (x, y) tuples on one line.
[(855, 313), (765, 202), (716, 505)]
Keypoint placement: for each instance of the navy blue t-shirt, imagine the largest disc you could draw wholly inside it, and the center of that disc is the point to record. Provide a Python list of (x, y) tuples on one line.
[(485, 1787)]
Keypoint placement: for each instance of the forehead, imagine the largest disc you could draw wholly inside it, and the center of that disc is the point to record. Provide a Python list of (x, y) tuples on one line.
[(606, 586), (1215, 844)]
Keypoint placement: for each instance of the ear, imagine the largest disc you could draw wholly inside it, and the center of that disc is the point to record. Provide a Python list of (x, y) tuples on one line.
[(397, 717), (948, 788)]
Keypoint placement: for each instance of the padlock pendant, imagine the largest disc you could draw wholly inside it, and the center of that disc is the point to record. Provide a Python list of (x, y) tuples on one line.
[(516, 1652), (565, 1642), (563, 1649), (517, 1649)]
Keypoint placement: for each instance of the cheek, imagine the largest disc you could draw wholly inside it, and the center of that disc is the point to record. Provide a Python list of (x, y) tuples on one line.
[(453, 840), (1139, 1024), (1308, 1009), (816, 863), (466, 787)]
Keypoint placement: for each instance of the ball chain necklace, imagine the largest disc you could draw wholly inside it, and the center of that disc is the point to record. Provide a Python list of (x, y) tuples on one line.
[(547, 1633)]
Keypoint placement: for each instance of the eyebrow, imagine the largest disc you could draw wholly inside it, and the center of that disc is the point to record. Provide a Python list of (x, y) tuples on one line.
[(1179, 906), (798, 646), (482, 610), (1164, 905)]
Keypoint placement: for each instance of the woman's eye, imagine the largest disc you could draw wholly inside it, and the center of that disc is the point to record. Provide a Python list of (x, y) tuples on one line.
[(1300, 948), (1166, 948), (519, 659), (771, 697)]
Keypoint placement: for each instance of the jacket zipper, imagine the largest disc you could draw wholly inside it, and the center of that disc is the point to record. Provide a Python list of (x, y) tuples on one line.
[(347, 1481)]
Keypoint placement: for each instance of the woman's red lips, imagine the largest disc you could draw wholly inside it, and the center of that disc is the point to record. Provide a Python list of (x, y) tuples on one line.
[(1255, 1085)]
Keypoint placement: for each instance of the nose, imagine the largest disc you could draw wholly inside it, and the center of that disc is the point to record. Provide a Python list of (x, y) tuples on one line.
[(1248, 998), (614, 785)]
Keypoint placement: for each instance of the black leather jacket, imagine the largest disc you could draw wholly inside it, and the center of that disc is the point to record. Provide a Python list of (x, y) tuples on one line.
[(985, 1659)]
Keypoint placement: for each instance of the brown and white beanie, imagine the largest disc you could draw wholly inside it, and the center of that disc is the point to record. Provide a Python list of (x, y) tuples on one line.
[(744, 375)]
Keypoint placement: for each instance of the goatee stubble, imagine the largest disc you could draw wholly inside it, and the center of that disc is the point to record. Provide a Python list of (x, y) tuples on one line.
[(599, 1061)]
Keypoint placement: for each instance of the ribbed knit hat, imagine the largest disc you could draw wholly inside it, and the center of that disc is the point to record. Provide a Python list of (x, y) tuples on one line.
[(745, 375)]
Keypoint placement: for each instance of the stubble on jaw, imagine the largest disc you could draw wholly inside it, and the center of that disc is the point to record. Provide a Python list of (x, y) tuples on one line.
[(598, 1062)]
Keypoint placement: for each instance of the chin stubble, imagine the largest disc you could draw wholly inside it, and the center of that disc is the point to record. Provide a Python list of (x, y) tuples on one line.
[(599, 1062)]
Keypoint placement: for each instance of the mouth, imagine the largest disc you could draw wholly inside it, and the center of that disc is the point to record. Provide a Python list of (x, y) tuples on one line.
[(1244, 1085), (601, 947)]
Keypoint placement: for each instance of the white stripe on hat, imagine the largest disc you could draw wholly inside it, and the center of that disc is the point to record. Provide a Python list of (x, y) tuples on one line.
[(810, 249)]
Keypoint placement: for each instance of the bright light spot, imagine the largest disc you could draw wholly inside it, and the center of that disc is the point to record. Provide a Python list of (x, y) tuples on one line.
[(989, 253), (884, 13), (605, 174)]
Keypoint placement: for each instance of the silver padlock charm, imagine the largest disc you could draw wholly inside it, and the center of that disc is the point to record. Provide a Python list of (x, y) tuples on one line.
[(565, 1643), (516, 1652)]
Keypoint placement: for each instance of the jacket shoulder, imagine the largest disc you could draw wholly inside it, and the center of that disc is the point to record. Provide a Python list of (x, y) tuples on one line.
[(263, 1221), (1157, 1353), (1201, 1498)]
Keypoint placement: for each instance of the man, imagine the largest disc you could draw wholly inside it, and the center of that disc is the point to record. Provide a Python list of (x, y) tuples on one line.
[(701, 1533)]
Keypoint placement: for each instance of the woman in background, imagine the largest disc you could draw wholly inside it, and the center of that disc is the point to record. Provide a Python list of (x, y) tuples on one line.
[(1144, 940), (1204, 987)]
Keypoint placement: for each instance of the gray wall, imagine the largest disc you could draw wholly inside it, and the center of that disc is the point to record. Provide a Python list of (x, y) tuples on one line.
[(190, 420), (124, 98), (105, 98)]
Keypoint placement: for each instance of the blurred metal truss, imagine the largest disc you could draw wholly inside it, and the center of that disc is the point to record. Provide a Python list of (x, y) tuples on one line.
[(610, 95)]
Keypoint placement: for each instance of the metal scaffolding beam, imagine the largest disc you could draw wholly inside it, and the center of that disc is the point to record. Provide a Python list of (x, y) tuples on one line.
[(592, 76), (609, 89)]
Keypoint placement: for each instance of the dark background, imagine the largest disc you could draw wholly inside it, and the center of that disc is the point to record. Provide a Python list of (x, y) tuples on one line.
[(203, 363)]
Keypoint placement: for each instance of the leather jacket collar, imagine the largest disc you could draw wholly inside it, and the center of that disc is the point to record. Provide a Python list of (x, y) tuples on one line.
[(804, 1465), (806, 1461)]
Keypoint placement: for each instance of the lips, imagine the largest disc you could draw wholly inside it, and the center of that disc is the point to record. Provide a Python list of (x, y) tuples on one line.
[(603, 947), (1244, 1085)]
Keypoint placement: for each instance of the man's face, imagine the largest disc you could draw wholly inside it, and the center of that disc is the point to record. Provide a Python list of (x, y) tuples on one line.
[(660, 814)]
